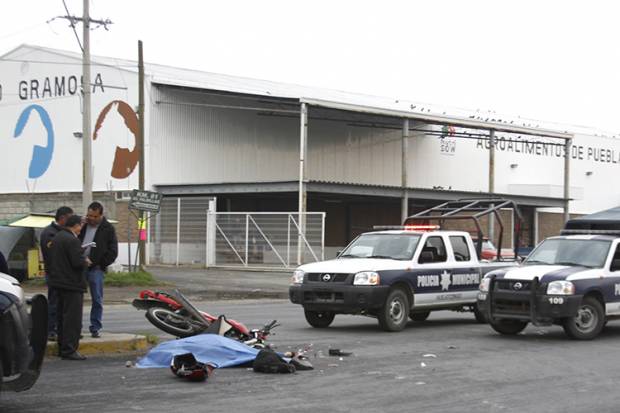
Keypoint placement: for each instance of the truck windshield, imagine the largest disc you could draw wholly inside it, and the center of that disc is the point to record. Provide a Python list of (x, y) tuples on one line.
[(581, 252), (389, 246)]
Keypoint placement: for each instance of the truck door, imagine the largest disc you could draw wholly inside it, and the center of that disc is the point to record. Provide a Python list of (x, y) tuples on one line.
[(436, 270), (612, 284), (429, 271), (465, 269)]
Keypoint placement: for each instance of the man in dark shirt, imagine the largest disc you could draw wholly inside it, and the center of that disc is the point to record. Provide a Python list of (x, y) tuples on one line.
[(68, 280), (47, 235), (102, 254)]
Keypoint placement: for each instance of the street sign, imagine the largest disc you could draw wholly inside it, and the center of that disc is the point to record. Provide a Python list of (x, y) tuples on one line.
[(145, 201)]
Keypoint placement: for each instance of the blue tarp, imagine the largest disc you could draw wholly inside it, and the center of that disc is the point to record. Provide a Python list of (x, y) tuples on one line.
[(207, 348)]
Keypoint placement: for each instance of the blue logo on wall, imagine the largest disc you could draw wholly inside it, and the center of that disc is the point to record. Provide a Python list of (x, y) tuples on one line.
[(41, 155)]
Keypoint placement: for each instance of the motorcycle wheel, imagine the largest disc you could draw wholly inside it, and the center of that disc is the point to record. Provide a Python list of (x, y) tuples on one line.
[(172, 322)]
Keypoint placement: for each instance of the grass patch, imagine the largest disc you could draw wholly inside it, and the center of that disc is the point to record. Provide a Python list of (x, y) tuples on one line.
[(152, 339), (126, 279), (112, 279)]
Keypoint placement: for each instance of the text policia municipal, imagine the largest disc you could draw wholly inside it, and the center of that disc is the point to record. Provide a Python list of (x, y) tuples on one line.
[(55, 86), (580, 152)]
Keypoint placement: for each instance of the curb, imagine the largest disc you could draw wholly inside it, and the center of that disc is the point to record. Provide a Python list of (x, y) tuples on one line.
[(109, 343)]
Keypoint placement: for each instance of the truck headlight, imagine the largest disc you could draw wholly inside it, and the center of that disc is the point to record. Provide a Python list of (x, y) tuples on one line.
[(561, 288), (366, 278), (484, 284), (298, 277)]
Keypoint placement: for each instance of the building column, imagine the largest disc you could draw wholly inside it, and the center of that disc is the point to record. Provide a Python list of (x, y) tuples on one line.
[(567, 154), (404, 208), (491, 217)]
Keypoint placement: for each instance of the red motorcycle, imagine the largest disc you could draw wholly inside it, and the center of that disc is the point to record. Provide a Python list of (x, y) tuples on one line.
[(176, 315)]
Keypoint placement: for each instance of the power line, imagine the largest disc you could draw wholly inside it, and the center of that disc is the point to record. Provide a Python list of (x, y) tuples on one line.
[(50, 62), (22, 30), (72, 22)]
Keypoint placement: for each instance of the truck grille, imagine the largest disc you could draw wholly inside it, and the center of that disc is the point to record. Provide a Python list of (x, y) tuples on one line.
[(323, 297), (327, 277), (511, 307), (509, 285), (512, 298)]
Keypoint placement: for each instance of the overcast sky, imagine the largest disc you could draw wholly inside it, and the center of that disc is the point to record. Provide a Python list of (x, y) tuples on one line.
[(547, 60)]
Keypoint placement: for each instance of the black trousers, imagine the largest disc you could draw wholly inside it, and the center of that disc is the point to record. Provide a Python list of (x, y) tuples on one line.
[(69, 320), (52, 303)]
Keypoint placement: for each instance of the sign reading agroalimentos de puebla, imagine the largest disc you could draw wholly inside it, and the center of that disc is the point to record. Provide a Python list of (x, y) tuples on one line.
[(552, 149), (145, 201)]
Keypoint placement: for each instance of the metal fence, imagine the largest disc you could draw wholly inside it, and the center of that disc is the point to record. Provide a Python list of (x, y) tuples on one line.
[(186, 231), (177, 233), (265, 239)]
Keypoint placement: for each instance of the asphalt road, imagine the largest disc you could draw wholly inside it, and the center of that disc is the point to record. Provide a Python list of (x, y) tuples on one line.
[(447, 364)]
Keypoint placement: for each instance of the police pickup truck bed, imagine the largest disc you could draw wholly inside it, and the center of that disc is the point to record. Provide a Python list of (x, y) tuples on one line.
[(393, 275), (571, 280)]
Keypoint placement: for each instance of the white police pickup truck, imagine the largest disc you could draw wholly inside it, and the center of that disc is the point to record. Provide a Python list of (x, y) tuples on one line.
[(571, 280), (393, 275)]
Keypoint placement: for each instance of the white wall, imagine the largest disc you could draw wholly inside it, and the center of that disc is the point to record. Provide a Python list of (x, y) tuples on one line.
[(29, 83), (537, 169)]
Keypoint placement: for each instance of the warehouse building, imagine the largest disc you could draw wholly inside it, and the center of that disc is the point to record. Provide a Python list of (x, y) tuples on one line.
[(257, 145)]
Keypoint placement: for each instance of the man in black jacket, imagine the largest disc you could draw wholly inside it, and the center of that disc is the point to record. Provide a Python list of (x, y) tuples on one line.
[(102, 254), (47, 235), (67, 279)]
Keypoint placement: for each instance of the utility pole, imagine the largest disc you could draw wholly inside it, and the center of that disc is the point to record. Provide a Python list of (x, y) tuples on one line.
[(141, 243), (303, 196), (87, 168), (87, 177)]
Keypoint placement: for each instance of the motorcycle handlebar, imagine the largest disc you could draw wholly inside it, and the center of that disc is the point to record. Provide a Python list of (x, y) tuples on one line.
[(269, 326)]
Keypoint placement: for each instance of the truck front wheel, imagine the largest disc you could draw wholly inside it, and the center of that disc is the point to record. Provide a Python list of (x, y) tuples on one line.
[(480, 317), (319, 319), (508, 327), (588, 322), (393, 315)]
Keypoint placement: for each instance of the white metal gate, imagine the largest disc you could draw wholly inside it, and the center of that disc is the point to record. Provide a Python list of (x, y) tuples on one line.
[(189, 231), (264, 239)]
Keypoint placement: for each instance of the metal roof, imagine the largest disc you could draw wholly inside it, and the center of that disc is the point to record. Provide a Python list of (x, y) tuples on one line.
[(336, 99), (348, 189)]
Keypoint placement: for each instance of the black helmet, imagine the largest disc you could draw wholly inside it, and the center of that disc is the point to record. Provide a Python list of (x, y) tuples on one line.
[(186, 366)]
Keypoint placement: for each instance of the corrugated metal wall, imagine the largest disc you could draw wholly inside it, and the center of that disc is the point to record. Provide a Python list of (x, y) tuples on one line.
[(196, 144), (342, 152), (192, 144)]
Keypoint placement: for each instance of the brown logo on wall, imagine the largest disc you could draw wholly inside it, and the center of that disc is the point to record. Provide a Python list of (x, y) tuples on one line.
[(125, 161)]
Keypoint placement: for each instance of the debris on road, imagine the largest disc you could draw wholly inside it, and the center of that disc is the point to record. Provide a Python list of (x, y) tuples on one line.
[(338, 352), (268, 361)]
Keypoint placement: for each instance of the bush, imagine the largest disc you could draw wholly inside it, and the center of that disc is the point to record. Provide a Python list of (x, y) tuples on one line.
[(125, 279)]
